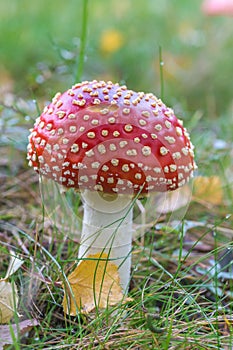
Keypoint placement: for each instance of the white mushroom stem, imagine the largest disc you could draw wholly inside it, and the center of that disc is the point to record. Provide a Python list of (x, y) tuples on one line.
[(108, 227)]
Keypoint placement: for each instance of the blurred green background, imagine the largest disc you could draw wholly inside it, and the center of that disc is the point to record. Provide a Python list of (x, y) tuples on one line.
[(40, 42)]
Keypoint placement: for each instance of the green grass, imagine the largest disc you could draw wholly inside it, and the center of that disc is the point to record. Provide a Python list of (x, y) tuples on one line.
[(181, 286), (176, 303)]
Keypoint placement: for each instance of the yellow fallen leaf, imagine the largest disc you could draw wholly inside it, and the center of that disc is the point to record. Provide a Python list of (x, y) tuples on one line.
[(95, 283), (8, 300), (110, 41), (208, 190), (8, 290)]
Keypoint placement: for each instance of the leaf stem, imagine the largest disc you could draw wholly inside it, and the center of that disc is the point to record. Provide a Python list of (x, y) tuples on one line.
[(161, 63), (81, 60)]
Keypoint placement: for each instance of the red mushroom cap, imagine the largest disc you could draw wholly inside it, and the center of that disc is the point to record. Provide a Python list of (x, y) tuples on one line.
[(102, 136)]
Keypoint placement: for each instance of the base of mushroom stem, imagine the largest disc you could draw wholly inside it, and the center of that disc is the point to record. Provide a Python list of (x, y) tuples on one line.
[(108, 227)]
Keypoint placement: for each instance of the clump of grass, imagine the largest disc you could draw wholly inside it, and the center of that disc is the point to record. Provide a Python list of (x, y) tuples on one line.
[(178, 300)]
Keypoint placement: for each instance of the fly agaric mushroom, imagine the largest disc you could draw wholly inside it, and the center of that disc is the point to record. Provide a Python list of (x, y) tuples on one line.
[(111, 143)]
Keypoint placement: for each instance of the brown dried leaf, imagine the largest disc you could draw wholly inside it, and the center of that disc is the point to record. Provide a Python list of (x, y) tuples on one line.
[(208, 190), (6, 331), (94, 283)]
